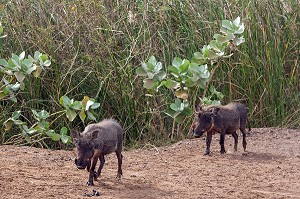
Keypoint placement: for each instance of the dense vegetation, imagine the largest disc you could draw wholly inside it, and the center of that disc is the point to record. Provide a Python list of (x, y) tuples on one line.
[(96, 46)]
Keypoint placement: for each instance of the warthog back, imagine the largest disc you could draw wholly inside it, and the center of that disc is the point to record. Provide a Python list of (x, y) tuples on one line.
[(109, 135)]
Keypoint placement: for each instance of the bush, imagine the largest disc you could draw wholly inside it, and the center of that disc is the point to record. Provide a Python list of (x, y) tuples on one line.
[(95, 48)]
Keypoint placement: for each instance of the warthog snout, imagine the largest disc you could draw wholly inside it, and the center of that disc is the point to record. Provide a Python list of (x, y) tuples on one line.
[(198, 134), (81, 164)]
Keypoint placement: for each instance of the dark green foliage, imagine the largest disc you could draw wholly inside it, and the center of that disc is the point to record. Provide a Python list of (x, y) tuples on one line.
[(96, 46)]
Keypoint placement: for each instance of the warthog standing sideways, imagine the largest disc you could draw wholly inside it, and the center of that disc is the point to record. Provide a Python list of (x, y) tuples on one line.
[(222, 119), (96, 141)]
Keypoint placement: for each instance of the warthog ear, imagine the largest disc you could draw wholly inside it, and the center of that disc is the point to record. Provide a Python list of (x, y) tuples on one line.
[(75, 134), (95, 134), (215, 111)]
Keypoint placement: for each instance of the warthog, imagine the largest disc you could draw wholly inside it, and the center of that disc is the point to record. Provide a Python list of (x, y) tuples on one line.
[(96, 141), (222, 119)]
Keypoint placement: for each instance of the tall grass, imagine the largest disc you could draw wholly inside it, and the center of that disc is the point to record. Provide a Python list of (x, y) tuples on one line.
[(95, 47)]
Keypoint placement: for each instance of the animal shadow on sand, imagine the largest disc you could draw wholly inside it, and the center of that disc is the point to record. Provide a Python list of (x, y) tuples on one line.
[(256, 157), (132, 188)]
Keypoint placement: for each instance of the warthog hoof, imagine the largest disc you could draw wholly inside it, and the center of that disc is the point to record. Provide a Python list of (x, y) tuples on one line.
[(222, 152), (90, 183)]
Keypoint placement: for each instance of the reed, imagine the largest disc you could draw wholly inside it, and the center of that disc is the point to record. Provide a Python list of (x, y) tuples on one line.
[(95, 47)]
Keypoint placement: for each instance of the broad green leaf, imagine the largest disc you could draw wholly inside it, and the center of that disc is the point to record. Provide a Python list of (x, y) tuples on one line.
[(173, 70), (27, 63), (90, 116), (238, 41), (12, 66), (202, 83), (15, 60), (171, 113), (198, 55), (89, 104), (3, 95), (221, 38), (35, 113), (47, 63), (43, 114), (176, 62), (188, 112), (37, 55), (174, 107), (212, 55), (171, 84), (152, 61), (180, 118), (43, 126), (228, 25), (3, 62), (54, 136), (192, 81), (22, 55), (22, 86), (237, 21), (65, 101), (183, 68), (27, 130), (20, 77), (95, 105), (7, 125), (230, 36), (240, 30), (82, 115), (16, 115), (15, 87), (182, 94), (144, 66), (76, 105), (63, 131), (177, 102), (43, 57), (140, 71), (150, 67), (65, 139), (25, 135), (217, 46), (220, 95), (160, 75), (71, 115), (157, 67), (148, 83), (212, 89), (37, 71)]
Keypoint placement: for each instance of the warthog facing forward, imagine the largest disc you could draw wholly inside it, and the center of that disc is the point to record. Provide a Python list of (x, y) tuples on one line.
[(96, 141), (222, 119)]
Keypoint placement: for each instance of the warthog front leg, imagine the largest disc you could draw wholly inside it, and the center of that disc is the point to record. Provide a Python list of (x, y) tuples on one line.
[(208, 142), (93, 173), (222, 140), (102, 161)]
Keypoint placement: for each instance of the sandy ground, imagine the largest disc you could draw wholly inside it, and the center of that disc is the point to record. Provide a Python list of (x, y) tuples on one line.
[(269, 169)]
